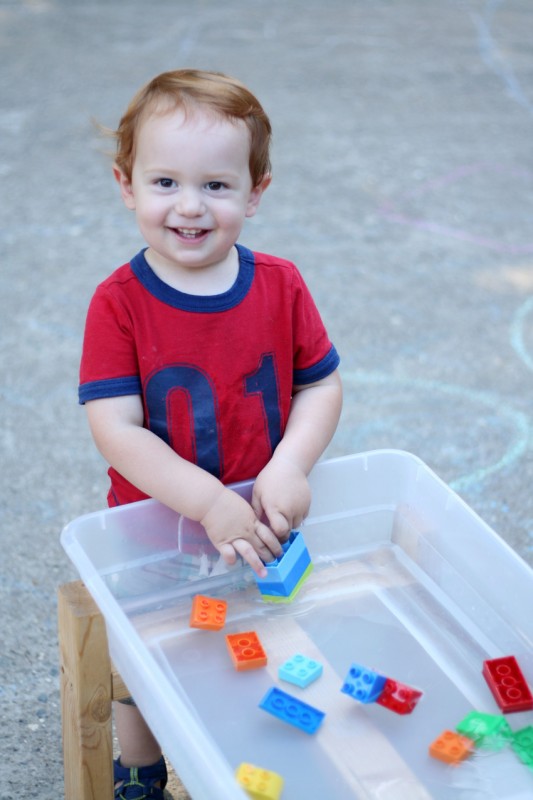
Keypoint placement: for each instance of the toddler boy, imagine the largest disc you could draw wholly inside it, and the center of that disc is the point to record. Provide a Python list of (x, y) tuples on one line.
[(203, 363)]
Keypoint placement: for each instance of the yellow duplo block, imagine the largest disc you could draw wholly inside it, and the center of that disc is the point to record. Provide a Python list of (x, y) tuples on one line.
[(259, 783)]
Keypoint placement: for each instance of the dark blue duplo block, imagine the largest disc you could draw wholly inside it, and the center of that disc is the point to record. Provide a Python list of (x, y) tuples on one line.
[(283, 588), (363, 684), (291, 710), (285, 572)]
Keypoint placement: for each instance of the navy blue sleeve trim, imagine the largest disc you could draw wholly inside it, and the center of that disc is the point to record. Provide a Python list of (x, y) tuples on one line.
[(325, 367), (110, 387)]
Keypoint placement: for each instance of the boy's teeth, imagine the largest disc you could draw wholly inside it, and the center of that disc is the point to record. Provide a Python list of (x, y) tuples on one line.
[(189, 231)]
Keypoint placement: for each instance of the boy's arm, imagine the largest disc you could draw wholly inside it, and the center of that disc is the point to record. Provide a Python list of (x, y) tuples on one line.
[(281, 491), (150, 464)]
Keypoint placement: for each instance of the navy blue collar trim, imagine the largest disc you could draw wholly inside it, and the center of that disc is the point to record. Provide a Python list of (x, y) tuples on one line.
[(192, 302)]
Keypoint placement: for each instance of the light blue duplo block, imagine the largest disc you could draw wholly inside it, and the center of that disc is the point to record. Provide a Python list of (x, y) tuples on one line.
[(300, 670)]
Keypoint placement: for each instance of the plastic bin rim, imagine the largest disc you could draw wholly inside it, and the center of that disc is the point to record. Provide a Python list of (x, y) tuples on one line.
[(363, 456)]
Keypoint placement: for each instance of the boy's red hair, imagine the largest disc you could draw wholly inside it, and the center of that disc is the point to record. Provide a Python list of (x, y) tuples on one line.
[(187, 88)]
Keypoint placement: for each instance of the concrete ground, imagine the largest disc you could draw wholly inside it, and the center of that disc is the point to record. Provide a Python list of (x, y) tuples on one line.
[(403, 188)]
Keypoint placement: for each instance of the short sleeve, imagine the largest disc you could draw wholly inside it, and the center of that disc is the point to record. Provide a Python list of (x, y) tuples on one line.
[(109, 365), (315, 357)]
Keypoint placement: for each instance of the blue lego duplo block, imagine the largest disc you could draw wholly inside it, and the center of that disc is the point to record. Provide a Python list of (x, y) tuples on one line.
[(363, 684), (284, 573), (280, 568), (288, 598), (300, 670), (291, 710), (268, 585)]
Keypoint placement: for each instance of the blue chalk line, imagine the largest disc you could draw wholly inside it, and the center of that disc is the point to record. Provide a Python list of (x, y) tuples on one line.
[(520, 421)]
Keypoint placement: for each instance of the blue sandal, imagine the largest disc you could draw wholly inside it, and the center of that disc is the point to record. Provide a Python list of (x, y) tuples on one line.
[(139, 782)]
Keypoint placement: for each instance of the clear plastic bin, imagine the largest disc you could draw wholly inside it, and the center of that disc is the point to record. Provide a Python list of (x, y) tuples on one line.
[(407, 580)]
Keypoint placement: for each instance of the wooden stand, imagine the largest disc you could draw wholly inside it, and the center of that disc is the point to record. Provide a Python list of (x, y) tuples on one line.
[(88, 685)]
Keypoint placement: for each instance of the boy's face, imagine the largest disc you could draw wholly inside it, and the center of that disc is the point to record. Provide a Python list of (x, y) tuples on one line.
[(191, 189)]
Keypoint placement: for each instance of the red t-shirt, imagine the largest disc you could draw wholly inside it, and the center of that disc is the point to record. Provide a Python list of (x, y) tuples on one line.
[(216, 372)]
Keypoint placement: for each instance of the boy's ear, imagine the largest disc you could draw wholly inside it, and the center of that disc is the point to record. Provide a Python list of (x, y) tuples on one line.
[(256, 194), (125, 187)]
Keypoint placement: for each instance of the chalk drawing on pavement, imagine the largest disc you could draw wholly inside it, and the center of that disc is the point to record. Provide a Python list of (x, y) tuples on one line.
[(448, 206), (518, 326), (470, 435), (495, 56)]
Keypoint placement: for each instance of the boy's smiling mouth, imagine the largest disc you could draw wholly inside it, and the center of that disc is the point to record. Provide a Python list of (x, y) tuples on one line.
[(190, 233)]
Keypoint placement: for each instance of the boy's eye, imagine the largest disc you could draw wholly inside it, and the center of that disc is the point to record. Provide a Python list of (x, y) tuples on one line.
[(165, 183), (215, 186)]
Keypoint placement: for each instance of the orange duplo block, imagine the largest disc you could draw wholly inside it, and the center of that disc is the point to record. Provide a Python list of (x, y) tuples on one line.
[(208, 613), (451, 747), (246, 650)]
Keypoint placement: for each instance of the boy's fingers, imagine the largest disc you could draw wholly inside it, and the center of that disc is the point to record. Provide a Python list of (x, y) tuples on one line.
[(267, 542), (227, 551), (263, 548), (257, 506), (247, 552), (279, 524)]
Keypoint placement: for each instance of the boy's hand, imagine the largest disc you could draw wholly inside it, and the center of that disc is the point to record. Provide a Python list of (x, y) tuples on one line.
[(233, 527), (282, 494)]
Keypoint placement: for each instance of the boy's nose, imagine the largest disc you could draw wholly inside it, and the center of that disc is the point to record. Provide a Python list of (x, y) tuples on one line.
[(189, 203)]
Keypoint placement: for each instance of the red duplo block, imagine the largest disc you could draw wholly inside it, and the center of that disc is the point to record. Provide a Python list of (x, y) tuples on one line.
[(507, 684), (398, 697)]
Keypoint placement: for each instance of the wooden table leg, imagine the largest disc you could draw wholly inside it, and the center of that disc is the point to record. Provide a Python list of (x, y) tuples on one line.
[(86, 694)]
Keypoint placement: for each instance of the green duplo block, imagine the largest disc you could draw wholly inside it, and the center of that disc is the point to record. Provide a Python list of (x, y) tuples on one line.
[(522, 744), (487, 730)]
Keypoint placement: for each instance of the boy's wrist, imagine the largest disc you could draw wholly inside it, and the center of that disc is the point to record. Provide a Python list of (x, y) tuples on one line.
[(290, 460), (203, 493), (210, 502)]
